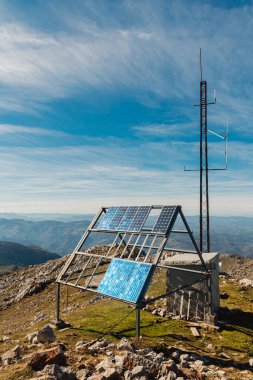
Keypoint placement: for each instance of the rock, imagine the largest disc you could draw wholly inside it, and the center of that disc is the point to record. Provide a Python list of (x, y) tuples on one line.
[(46, 335), (159, 358), (199, 363), (138, 371), (171, 376), (184, 357), (127, 375), (175, 354), (131, 360), (12, 355), (251, 362), (184, 364), (59, 372), (32, 337), (245, 282), (83, 374), (111, 374), (52, 355), (81, 345), (95, 377), (125, 345), (104, 364)]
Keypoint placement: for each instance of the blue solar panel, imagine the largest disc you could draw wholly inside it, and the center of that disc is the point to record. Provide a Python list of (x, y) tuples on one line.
[(117, 218), (164, 219), (140, 218), (107, 218), (126, 280), (127, 218)]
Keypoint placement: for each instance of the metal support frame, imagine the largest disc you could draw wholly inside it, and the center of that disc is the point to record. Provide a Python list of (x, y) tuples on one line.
[(150, 250), (138, 322), (58, 299), (152, 300)]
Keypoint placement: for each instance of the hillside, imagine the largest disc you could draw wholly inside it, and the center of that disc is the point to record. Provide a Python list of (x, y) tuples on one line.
[(21, 255), (94, 346)]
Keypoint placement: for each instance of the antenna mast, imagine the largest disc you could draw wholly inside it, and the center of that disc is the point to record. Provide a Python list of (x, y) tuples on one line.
[(204, 225), (204, 193)]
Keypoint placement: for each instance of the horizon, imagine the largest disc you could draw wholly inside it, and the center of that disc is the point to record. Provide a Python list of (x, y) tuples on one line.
[(96, 104)]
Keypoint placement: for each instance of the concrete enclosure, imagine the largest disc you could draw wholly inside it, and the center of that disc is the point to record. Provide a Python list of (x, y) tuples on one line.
[(199, 301)]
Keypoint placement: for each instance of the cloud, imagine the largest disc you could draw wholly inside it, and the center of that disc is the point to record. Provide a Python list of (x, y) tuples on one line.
[(96, 49), (165, 130), (85, 176)]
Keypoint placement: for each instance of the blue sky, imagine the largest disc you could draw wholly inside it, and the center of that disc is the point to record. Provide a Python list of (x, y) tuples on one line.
[(96, 103)]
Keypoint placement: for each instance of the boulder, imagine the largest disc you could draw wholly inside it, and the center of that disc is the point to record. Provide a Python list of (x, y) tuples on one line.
[(45, 335), (53, 355), (58, 372)]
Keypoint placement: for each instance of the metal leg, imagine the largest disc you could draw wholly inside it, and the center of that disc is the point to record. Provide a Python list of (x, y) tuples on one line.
[(58, 296), (138, 319)]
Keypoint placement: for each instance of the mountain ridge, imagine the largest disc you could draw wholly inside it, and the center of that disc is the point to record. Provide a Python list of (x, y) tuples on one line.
[(15, 254)]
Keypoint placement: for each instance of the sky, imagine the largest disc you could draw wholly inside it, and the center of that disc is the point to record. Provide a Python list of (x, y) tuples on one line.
[(96, 104)]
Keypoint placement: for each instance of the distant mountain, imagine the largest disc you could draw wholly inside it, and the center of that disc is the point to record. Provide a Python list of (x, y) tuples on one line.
[(53, 236), (21, 255), (228, 234), (42, 216)]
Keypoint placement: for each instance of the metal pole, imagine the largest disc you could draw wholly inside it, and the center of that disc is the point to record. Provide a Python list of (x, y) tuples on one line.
[(58, 297), (138, 318)]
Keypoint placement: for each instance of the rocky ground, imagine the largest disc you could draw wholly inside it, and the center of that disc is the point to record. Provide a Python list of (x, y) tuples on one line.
[(32, 348)]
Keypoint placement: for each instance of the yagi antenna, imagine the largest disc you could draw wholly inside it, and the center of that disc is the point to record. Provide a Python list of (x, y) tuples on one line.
[(225, 138)]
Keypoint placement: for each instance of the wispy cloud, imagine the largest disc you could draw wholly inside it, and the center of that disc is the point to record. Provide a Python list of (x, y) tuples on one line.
[(90, 174), (165, 130), (147, 56)]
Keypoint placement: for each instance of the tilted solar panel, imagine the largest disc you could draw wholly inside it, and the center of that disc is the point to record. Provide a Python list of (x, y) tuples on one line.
[(126, 280), (116, 220), (127, 218), (164, 219), (140, 218), (107, 218)]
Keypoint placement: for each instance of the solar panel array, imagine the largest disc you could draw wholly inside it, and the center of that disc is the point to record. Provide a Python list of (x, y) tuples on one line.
[(133, 218), (124, 218), (125, 280), (164, 219)]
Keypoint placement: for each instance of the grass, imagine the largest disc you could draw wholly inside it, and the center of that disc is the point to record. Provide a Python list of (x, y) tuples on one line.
[(92, 320)]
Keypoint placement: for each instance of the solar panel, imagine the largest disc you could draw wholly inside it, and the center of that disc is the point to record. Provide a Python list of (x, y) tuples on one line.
[(107, 218), (126, 280), (127, 218), (140, 218), (117, 218), (164, 219)]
